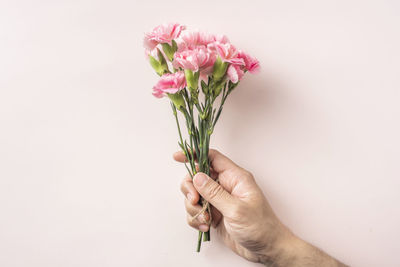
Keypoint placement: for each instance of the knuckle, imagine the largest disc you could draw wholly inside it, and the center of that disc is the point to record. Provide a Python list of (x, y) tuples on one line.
[(215, 191), (188, 206), (183, 187), (213, 150), (247, 175)]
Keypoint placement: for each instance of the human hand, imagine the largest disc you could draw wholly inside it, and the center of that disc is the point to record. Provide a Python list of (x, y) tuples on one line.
[(243, 217), (240, 212)]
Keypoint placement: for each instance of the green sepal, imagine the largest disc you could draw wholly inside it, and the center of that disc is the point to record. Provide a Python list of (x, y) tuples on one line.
[(220, 68), (169, 50), (156, 65), (192, 79), (160, 66), (162, 60), (174, 46), (218, 87), (178, 100), (232, 86)]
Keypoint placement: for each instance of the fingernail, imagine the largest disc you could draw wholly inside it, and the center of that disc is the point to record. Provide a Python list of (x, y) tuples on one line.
[(189, 197), (200, 179), (203, 227)]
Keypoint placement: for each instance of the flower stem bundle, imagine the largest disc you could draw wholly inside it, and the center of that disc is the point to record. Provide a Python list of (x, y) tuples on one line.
[(198, 71)]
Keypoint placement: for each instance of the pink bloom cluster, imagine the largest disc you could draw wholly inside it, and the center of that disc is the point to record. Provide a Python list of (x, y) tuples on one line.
[(196, 51)]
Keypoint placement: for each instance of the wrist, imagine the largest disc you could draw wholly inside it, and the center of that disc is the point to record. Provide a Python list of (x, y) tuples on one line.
[(284, 250), (291, 251)]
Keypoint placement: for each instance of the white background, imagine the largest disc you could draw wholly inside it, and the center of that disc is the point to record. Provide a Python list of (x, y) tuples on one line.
[(86, 174)]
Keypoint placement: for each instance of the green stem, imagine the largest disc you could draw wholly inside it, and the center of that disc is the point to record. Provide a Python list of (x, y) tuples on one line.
[(206, 236), (199, 134), (180, 137), (199, 241)]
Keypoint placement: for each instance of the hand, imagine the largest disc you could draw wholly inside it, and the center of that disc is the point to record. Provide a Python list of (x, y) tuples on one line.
[(240, 212), (243, 218)]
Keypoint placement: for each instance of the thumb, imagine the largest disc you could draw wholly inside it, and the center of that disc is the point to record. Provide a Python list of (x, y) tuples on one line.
[(213, 192)]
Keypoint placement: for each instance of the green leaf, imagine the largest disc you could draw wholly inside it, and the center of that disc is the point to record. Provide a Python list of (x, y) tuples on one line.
[(204, 87)]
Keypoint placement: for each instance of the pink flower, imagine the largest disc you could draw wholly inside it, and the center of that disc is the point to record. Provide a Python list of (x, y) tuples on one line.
[(196, 59), (163, 33), (235, 73), (192, 39), (221, 39), (251, 64), (149, 45), (152, 52), (227, 52), (170, 83)]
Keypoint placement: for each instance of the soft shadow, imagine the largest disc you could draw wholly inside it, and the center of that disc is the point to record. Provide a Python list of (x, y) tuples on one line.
[(257, 103)]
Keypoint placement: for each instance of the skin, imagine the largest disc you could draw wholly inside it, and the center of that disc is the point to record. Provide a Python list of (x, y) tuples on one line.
[(243, 217)]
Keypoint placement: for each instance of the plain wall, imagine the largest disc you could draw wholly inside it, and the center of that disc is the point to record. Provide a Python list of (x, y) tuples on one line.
[(86, 173)]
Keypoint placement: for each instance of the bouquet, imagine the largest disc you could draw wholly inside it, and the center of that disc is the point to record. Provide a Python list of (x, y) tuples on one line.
[(198, 71)]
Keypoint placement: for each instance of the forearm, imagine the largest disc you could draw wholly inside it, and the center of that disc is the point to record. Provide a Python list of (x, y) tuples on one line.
[(294, 252)]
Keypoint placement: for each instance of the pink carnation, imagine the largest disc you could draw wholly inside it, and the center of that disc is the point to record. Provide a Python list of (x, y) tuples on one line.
[(149, 45), (193, 39), (251, 63), (170, 83), (235, 73), (164, 33), (197, 59), (227, 52), (221, 39)]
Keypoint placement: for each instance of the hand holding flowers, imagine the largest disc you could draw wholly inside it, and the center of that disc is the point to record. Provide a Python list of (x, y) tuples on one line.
[(191, 62)]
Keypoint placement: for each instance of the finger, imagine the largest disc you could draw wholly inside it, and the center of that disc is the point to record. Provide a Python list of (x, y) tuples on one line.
[(189, 191), (220, 162), (180, 156), (195, 223), (214, 193), (193, 210)]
